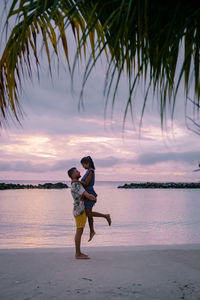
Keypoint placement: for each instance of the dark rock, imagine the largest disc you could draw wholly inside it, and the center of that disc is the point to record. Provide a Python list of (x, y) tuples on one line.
[(13, 186), (161, 185)]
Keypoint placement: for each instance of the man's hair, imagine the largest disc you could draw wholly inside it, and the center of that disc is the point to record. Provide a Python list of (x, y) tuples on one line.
[(71, 171)]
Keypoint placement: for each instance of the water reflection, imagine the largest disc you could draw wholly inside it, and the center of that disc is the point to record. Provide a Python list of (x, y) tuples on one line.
[(43, 218)]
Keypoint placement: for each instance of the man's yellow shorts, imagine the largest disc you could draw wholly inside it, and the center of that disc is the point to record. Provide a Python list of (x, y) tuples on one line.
[(81, 220)]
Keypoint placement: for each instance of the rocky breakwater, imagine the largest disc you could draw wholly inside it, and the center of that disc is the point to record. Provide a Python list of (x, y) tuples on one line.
[(161, 185), (14, 186)]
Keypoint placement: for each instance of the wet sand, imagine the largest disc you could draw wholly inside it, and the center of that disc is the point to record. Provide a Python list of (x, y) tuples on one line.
[(143, 272)]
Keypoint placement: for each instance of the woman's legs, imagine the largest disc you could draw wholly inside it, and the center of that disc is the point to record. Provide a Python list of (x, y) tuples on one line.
[(91, 222), (99, 215), (91, 214)]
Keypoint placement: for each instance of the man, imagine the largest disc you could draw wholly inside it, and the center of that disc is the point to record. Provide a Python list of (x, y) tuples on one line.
[(78, 193)]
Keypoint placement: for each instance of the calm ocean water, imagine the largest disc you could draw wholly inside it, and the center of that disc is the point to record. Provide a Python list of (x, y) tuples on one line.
[(43, 218)]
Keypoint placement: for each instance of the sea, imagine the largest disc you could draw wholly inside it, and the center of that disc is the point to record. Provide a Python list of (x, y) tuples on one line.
[(38, 218)]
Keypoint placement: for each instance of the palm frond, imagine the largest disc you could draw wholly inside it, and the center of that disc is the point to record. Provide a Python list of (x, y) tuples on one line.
[(140, 38)]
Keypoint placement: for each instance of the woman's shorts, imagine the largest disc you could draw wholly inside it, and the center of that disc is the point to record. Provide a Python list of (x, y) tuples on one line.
[(89, 203), (81, 220)]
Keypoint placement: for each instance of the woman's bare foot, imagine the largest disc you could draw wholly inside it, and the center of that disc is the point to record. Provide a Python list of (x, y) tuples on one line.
[(91, 236), (82, 256), (108, 218)]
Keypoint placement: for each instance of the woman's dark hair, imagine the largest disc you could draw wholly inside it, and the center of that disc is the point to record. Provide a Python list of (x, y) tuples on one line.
[(86, 160)]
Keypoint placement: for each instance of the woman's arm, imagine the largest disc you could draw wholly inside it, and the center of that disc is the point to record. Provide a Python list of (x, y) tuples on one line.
[(88, 179)]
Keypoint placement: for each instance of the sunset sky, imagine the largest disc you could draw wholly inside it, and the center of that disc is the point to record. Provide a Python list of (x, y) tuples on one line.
[(55, 134)]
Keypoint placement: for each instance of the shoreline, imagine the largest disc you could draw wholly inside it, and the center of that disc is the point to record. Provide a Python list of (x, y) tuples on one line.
[(125, 272), (120, 248)]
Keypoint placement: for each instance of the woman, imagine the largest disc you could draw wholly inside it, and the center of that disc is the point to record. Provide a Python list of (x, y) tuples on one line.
[(88, 181)]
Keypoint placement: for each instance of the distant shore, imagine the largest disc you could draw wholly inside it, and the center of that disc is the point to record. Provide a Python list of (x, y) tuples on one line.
[(14, 186), (161, 185)]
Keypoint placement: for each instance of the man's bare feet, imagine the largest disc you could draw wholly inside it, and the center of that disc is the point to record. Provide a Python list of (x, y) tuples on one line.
[(91, 236), (108, 218), (82, 256)]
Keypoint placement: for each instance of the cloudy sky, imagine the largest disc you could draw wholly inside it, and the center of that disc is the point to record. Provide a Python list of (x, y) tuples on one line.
[(55, 134)]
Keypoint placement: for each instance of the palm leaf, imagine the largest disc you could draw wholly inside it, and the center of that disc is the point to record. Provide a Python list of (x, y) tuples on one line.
[(141, 38)]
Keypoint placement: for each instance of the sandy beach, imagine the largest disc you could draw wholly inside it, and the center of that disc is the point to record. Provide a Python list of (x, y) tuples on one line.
[(140, 272)]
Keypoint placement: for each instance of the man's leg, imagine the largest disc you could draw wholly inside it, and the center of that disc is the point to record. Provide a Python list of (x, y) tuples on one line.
[(80, 223), (78, 235), (77, 239)]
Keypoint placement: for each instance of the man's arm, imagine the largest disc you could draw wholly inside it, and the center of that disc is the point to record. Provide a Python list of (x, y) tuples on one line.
[(79, 189), (88, 196)]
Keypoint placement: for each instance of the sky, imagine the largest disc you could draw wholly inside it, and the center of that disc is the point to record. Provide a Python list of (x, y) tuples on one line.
[(55, 133)]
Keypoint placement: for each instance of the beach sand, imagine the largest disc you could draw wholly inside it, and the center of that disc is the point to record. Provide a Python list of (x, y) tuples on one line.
[(145, 272)]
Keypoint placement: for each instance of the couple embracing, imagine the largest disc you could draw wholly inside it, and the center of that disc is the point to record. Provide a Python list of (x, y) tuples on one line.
[(84, 199)]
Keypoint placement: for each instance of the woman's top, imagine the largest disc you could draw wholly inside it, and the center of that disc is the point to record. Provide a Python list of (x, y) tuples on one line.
[(89, 188)]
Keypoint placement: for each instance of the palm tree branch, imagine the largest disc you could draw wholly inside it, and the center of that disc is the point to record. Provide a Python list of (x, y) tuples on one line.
[(140, 38)]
